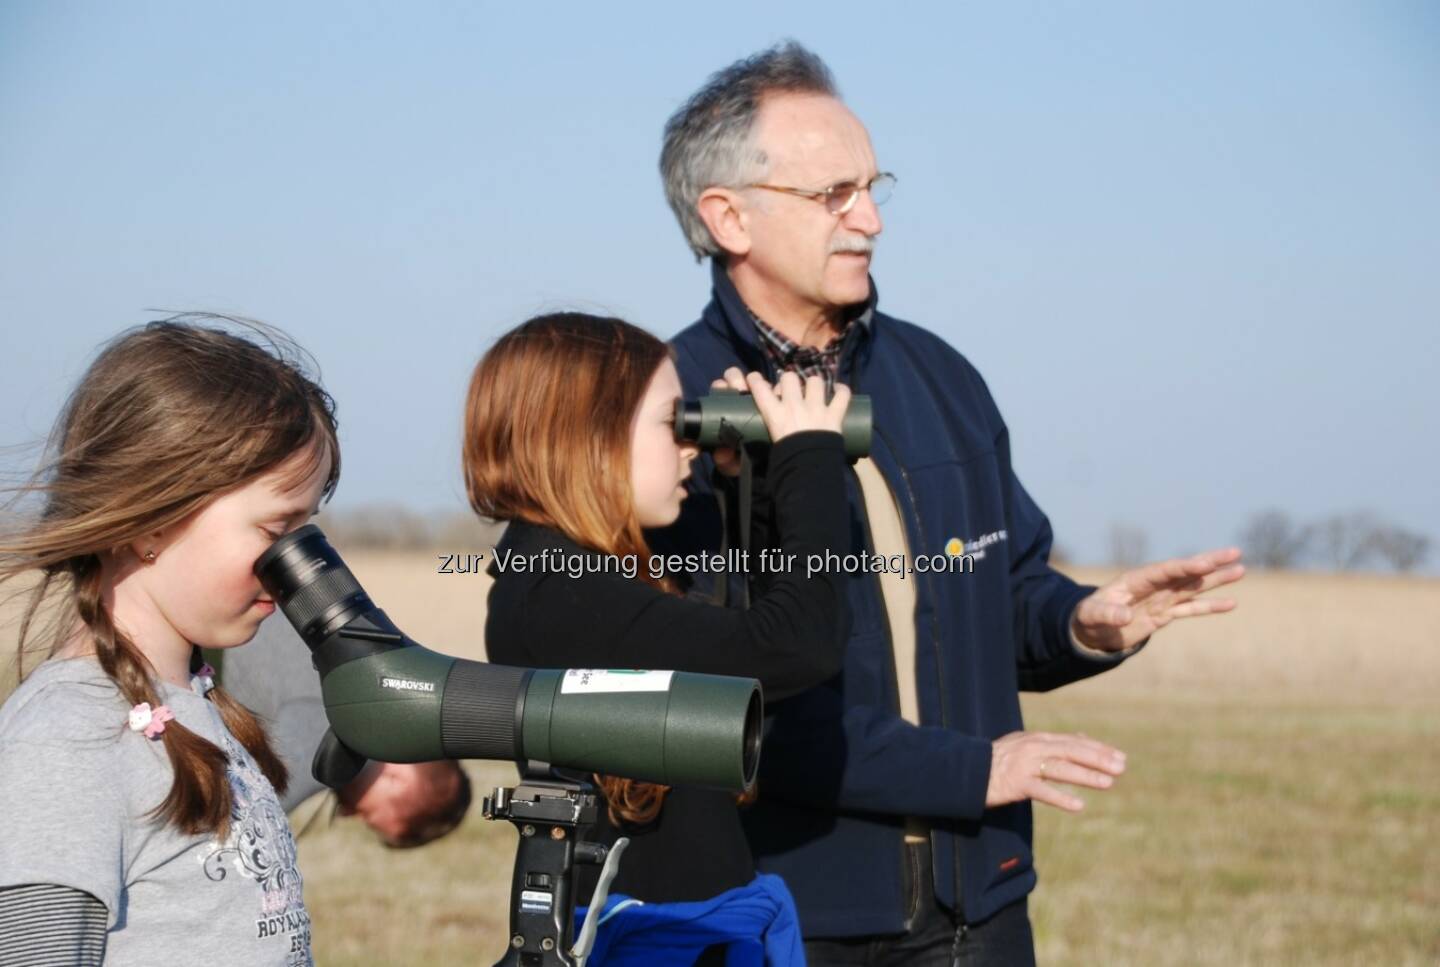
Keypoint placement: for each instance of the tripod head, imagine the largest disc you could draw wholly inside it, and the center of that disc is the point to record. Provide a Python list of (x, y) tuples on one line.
[(549, 811)]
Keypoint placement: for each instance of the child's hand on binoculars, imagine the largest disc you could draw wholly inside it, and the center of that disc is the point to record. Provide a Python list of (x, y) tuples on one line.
[(789, 406)]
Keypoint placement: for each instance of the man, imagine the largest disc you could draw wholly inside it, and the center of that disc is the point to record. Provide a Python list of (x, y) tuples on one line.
[(895, 799)]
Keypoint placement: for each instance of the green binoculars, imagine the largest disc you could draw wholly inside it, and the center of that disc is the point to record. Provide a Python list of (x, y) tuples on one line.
[(390, 699), (727, 418)]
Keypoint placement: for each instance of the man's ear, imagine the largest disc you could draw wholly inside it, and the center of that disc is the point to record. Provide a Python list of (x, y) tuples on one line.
[(722, 212)]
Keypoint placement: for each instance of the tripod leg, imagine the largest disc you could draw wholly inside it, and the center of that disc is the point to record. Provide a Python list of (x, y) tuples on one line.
[(541, 912)]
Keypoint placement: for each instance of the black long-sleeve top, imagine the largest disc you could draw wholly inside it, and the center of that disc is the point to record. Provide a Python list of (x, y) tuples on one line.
[(791, 638)]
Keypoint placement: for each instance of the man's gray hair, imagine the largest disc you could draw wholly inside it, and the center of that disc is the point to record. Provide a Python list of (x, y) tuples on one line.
[(708, 141)]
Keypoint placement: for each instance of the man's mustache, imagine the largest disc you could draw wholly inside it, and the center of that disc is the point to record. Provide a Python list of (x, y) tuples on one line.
[(859, 244)]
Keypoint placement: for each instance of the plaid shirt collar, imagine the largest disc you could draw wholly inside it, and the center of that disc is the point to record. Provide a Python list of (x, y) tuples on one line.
[(806, 361)]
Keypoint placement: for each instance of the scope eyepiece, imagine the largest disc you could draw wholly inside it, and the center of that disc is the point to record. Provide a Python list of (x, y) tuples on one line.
[(310, 583)]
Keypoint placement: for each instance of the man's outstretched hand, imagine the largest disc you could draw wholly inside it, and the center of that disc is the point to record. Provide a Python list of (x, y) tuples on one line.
[(1139, 603)]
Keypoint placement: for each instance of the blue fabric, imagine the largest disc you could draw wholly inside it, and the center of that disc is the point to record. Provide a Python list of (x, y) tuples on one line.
[(840, 768), (757, 921)]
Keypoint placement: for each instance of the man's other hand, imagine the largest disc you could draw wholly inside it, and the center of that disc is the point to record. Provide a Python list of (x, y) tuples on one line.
[(408, 804), (1139, 603), (1023, 764)]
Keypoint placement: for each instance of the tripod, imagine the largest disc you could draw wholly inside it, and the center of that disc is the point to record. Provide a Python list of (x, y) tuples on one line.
[(549, 811)]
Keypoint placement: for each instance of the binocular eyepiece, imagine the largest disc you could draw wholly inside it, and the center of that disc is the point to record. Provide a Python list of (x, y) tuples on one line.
[(727, 418)]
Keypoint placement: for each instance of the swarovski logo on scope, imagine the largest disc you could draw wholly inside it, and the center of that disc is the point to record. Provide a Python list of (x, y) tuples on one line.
[(407, 685)]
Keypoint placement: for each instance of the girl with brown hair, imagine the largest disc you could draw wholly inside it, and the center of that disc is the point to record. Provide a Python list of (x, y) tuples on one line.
[(140, 815), (569, 436)]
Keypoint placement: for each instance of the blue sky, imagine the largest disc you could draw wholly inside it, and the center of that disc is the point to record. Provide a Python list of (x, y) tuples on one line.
[(1195, 249)]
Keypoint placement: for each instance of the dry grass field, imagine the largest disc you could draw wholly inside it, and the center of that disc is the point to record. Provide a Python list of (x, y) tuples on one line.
[(1281, 805)]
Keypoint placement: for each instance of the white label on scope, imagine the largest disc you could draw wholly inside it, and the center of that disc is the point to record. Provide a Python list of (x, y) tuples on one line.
[(595, 681)]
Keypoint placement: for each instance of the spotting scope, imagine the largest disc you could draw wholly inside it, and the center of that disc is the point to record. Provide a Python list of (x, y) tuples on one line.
[(390, 699), (727, 418)]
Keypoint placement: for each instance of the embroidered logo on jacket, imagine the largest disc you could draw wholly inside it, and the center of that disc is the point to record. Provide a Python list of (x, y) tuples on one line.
[(975, 546)]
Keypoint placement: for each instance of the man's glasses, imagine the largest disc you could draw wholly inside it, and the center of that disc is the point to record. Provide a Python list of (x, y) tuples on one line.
[(840, 198)]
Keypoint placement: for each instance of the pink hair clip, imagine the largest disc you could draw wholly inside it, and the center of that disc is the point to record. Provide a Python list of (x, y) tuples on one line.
[(150, 721)]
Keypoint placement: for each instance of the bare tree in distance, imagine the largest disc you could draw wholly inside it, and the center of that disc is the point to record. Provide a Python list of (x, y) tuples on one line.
[(1128, 545), (464, 532), (1341, 542), (393, 527), (1403, 550), (374, 526), (1344, 541), (1271, 539)]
